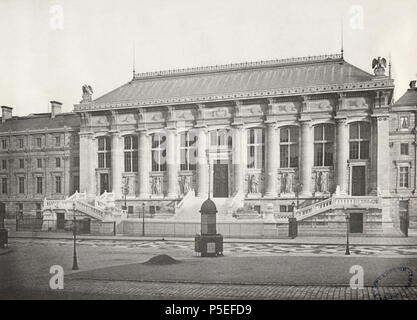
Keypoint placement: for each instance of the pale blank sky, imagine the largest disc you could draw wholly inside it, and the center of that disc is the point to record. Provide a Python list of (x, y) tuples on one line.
[(39, 63)]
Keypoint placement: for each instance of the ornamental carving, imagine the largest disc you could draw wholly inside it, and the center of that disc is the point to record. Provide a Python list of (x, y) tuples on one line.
[(156, 188), (287, 182), (322, 182), (253, 182)]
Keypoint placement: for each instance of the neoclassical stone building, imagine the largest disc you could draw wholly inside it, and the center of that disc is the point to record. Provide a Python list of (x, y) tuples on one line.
[(313, 137)]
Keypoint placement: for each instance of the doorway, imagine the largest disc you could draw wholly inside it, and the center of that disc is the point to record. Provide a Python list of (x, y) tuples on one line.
[(220, 180), (358, 181), (356, 222), (104, 182), (60, 220)]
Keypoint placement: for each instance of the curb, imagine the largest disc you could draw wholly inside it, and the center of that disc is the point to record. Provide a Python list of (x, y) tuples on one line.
[(5, 251)]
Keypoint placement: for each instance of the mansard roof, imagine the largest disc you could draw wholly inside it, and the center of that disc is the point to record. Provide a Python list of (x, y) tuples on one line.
[(40, 121), (409, 98), (272, 78)]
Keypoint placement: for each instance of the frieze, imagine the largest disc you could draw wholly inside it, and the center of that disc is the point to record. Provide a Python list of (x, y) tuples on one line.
[(318, 105), (353, 104)]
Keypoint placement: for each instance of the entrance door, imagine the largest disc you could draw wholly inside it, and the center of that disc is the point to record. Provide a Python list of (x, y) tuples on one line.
[(356, 222), (2, 214), (220, 180), (104, 182), (404, 217), (358, 181), (60, 220)]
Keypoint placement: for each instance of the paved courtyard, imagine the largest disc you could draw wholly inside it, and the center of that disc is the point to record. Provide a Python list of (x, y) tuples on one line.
[(114, 269)]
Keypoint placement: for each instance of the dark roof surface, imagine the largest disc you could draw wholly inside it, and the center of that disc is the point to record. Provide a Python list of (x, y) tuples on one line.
[(40, 121), (409, 98), (237, 78)]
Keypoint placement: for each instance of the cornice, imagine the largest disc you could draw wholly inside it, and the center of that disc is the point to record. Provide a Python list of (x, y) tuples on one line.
[(266, 93)]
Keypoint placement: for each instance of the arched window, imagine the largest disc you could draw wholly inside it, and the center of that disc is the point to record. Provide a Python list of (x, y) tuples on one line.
[(256, 148), (131, 153), (158, 152), (187, 150), (220, 137), (104, 152), (359, 133), (288, 147), (323, 145)]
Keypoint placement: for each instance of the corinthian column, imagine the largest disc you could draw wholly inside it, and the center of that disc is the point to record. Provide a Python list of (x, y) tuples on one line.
[(342, 146), (202, 165), (271, 161), (306, 163), (172, 164), (383, 167), (143, 167), (116, 164), (238, 160), (88, 160)]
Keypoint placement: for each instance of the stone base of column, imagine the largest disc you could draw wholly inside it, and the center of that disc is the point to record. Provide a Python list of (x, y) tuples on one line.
[(271, 194), (305, 194), (144, 196)]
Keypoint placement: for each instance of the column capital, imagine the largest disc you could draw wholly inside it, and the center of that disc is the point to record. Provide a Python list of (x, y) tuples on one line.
[(341, 121)]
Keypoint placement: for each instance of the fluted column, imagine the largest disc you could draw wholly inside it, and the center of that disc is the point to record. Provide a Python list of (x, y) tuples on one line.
[(143, 166), (342, 149), (271, 161), (172, 167), (116, 164), (202, 163), (306, 163), (238, 160)]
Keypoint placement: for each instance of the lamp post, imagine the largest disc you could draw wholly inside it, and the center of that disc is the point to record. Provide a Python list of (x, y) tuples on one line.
[(347, 252), (74, 229), (143, 219), (125, 190)]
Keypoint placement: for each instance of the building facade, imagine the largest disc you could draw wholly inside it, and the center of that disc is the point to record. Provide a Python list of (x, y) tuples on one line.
[(313, 137)]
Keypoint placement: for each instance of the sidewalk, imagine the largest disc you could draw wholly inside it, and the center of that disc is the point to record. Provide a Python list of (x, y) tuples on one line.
[(325, 240)]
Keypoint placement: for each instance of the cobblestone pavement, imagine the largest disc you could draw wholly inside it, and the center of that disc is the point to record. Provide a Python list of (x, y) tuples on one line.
[(238, 248), (156, 290)]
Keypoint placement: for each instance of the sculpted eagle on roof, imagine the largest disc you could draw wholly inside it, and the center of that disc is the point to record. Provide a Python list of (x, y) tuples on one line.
[(379, 62)]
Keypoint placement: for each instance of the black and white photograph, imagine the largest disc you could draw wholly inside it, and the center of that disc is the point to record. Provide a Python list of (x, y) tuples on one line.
[(196, 150)]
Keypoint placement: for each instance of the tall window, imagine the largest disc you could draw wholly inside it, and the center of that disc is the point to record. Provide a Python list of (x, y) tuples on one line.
[(187, 150), (38, 142), (359, 133), (4, 144), (39, 185), (288, 147), (58, 184), (131, 153), (57, 141), (4, 164), (20, 143), (404, 177), (19, 209), (323, 145), (76, 161), (256, 148), (21, 163), (159, 152), (4, 185), (39, 163), (38, 209), (75, 184), (404, 149), (21, 185), (58, 162), (104, 152)]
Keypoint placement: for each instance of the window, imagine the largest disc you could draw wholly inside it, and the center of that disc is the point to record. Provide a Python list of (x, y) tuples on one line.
[(158, 152), (75, 183), (58, 184), (188, 151), (39, 185), (4, 144), (39, 163), (21, 185), (76, 161), (404, 149), (288, 147), (4, 185), (131, 153), (256, 148), (359, 133), (58, 162), (323, 145), (4, 164), (57, 141), (20, 143), (21, 163), (404, 122), (38, 142), (404, 177), (104, 152), (38, 210), (220, 137)]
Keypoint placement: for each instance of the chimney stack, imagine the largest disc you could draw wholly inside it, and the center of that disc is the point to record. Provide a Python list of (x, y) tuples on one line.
[(413, 84), (55, 108), (6, 113)]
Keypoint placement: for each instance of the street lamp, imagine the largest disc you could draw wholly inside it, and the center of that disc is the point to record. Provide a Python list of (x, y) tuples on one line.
[(74, 229), (143, 219), (125, 189), (347, 252)]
